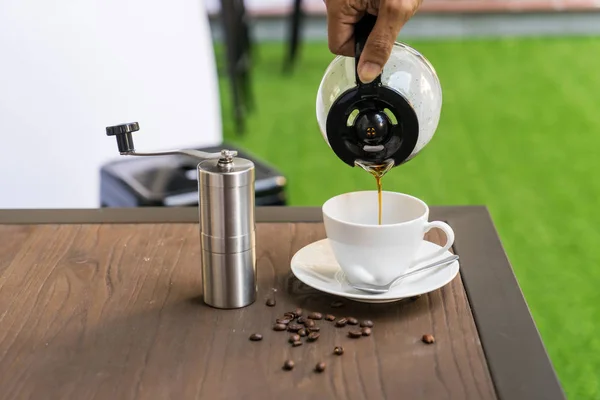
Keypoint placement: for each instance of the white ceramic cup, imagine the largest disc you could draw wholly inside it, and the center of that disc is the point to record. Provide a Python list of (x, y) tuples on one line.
[(376, 254)]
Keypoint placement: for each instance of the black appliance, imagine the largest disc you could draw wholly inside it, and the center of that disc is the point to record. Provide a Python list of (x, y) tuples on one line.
[(170, 181)]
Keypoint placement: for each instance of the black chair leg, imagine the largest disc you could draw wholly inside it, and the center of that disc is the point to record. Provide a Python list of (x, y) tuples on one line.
[(294, 38), (246, 59), (246, 83), (231, 23)]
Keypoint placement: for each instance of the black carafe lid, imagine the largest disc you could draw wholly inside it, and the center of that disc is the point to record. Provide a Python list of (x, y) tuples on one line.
[(371, 122)]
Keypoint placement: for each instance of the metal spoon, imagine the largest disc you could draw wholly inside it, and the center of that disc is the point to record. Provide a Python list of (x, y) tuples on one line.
[(365, 287)]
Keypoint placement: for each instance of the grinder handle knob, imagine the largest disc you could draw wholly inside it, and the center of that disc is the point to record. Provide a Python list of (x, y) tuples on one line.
[(123, 135), (122, 129)]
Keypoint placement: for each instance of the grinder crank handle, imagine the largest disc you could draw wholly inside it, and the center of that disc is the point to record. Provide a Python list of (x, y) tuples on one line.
[(362, 30), (123, 133)]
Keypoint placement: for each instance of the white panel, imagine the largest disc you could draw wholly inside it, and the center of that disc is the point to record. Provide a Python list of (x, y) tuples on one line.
[(69, 68)]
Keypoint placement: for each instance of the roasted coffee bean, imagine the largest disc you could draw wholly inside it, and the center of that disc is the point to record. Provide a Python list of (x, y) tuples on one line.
[(294, 327), (320, 367), (271, 302), (314, 329), (315, 315), (298, 312), (294, 338), (352, 321), (302, 332), (255, 337), (313, 336), (289, 315), (340, 323), (355, 334), (282, 321), (309, 323), (366, 324), (337, 304), (330, 317), (301, 320), (338, 350), (297, 343), (428, 339), (288, 365), (366, 331), (279, 327)]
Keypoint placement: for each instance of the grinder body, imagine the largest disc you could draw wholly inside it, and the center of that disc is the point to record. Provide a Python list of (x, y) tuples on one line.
[(227, 232)]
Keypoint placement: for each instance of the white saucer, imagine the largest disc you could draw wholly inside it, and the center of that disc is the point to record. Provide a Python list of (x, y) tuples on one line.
[(316, 266)]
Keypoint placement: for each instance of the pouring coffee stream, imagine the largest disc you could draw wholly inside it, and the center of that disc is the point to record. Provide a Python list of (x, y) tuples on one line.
[(378, 171), (384, 123)]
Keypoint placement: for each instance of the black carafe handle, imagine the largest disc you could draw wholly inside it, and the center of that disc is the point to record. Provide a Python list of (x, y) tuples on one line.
[(362, 29)]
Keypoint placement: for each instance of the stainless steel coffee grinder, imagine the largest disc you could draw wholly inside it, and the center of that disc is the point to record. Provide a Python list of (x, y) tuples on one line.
[(226, 203)]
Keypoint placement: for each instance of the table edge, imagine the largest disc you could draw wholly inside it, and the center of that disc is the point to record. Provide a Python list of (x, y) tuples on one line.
[(517, 359), (145, 215)]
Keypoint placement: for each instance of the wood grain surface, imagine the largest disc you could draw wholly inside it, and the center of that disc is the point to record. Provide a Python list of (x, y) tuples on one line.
[(115, 312)]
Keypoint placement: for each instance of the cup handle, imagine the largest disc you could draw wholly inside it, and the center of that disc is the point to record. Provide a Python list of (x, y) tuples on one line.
[(449, 242)]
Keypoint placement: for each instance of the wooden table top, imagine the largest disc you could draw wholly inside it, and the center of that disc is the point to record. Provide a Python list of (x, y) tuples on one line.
[(106, 304)]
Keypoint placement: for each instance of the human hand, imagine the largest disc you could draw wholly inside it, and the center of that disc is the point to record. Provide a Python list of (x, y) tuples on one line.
[(391, 17)]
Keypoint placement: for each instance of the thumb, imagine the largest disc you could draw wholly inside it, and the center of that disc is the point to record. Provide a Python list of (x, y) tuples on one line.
[(380, 41)]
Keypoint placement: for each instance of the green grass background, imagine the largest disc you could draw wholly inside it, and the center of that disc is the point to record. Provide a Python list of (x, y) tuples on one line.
[(519, 133)]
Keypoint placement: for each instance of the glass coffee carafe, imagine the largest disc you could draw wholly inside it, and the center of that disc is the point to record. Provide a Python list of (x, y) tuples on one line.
[(383, 123)]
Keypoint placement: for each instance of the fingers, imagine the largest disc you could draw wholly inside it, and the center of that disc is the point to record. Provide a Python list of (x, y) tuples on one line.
[(392, 15), (341, 18)]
